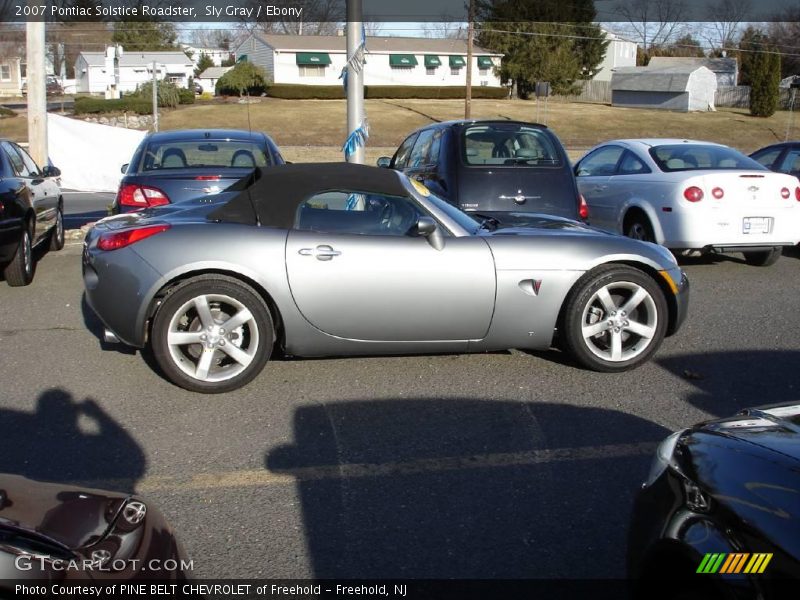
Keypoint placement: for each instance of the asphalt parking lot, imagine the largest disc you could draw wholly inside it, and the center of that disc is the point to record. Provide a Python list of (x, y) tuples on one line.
[(493, 465)]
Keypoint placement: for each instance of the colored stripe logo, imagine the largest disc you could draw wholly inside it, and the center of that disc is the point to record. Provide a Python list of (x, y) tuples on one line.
[(735, 562)]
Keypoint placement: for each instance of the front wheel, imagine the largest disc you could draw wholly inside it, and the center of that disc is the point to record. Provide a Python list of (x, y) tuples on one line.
[(212, 335), (19, 271), (763, 258), (615, 319)]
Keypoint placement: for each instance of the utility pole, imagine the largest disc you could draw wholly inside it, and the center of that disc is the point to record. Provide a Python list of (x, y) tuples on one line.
[(155, 96), (37, 92), (470, 36), (355, 77)]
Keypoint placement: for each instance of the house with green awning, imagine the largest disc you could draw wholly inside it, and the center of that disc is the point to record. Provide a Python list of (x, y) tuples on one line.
[(402, 61)]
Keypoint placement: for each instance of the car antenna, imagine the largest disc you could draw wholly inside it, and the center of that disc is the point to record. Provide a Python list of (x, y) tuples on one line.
[(253, 174)]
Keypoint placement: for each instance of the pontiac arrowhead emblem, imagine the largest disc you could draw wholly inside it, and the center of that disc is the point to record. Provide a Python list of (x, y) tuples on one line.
[(537, 283)]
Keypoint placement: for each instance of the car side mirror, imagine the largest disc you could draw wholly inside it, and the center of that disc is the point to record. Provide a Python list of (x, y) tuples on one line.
[(124, 168), (51, 171), (428, 228), (384, 161)]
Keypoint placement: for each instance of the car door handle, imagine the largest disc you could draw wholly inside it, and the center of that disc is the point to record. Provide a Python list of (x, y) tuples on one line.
[(323, 252)]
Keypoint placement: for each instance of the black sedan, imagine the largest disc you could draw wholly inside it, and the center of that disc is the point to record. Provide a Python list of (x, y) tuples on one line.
[(51, 532), (782, 158), (31, 212), (175, 166), (719, 516), (503, 171)]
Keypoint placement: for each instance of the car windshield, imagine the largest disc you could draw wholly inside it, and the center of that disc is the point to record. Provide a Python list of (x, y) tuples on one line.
[(460, 217), (203, 154), (699, 157), (499, 144)]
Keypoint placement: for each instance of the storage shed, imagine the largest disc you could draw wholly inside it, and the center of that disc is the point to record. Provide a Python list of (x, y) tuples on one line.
[(669, 88)]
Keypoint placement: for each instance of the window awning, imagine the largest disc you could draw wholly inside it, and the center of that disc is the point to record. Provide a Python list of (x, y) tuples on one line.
[(313, 58), (402, 60), (431, 60), (457, 61), (485, 62)]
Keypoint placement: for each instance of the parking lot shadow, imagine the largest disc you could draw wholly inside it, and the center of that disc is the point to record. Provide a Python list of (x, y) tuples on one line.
[(64, 440), (419, 488), (727, 382)]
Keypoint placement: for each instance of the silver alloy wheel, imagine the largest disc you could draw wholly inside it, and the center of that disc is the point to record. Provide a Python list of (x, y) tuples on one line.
[(27, 253), (619, 321), (213, 337)]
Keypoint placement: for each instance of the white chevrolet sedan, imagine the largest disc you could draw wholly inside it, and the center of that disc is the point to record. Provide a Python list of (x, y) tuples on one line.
[(691, 196)]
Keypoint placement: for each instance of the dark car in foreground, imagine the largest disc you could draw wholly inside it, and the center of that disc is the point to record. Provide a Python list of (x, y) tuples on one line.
[(31, 212), (719, 515), (782, 158), (501, 170), (342, 259), (57, 532), (174, 166)]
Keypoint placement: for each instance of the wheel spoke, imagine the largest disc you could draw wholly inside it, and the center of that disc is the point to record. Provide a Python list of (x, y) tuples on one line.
[(182, 338), (606, 300), (237, 354), (641, 329), (240, 318), (203, 311), (592, 330), (635, 300), (204, 364), (616, 345)]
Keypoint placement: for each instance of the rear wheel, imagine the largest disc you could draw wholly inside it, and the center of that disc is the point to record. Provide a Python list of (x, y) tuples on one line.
[(57, 234), (615, 319), (763, 258), (212, 335), (637, 226), (19, 271)]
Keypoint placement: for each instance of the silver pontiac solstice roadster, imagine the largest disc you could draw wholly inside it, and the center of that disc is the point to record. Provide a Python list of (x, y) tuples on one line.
[(339, 259)]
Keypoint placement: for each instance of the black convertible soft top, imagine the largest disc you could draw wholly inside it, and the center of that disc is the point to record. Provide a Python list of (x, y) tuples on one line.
[(270, 196)]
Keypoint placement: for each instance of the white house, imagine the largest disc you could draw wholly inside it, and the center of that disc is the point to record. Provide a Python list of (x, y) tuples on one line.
[(619, 53), (208, 78), (319, 59), (95, 71), (217, 55), (10, 70)]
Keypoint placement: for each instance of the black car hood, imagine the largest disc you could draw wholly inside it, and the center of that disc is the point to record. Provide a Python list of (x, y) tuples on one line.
[(773, 427), (72, 516)]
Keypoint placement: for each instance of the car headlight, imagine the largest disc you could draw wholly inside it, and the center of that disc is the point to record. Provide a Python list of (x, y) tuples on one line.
[(663, 457)]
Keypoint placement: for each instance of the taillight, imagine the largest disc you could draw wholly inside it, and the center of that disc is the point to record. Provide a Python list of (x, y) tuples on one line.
[(583, 208), (207, 178), (140, 196), (693, 194), (717, 192), (785, 193), (121, 239), (797, 194)]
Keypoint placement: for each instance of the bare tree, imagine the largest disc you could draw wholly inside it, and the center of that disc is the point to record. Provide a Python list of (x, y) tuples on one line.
[(653, 21), (445, 29), (724, 20)]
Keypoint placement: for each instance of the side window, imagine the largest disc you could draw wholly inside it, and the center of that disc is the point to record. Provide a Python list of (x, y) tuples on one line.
[(602, 161), (436, 144), (767, 157), (30, 165), (401, 156), (631, 165), (421, 151), (357, 213), (16, 160), (791, 162)]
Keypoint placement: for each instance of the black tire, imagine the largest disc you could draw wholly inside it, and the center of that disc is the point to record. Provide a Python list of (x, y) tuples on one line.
[(638, 227), (763, 258), (57, 234), (20, 270), (584, 308), (225, 297)]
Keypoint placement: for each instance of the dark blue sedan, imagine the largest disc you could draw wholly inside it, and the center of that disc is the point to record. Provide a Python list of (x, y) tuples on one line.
[(176, 166)]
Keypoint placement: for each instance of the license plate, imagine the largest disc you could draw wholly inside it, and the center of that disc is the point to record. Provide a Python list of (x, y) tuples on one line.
[(757, 225)]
